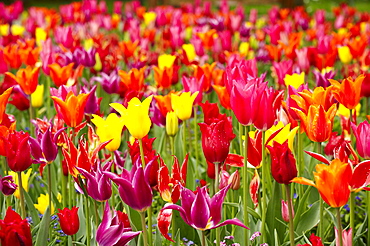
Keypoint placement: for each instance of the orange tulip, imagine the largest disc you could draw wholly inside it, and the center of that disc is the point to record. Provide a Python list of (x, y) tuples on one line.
[(320, 96), (164, 103), (223, 95), (134, 79), (60, 75), (207, 38), (72, 108), (128, 48), (27, 79), (348, 92), (317, 123), (274, 52), (30, 55), (4, 100), (12, 56), (163, 77), (206, 70), (357, 46), (332, 182)]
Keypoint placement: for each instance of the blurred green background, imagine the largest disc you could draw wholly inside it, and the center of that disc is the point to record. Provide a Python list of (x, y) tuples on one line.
[(311, 5)]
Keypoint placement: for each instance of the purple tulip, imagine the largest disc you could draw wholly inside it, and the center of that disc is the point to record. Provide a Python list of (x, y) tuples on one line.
[(202, 212), (362, 134), (83, 57), (112, 230), (93, 102), (7, 185), (322, 79), (134, 182), (44, 149), (98, 184), (63, 35), (109, 83)]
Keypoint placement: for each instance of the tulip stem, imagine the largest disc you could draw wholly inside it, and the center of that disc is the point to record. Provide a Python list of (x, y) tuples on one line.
[(172, 145), (143, 225), (264, 192), (142, 152), (30, 110), (88, 227), (290, 210), (48, 107), (203, 238), (300, 158), (352, 213), (49, 191), (240, 138), (217, 181), (340, 232), (150, 237), (184, 138), (321, 224), (23, 210), (368, 214), (196, 141), (245, 185)]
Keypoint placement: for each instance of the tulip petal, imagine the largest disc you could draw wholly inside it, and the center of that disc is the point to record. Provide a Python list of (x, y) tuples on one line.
[(318, 157), (164, 222), (200, 210), (234, 221), (216, 204)]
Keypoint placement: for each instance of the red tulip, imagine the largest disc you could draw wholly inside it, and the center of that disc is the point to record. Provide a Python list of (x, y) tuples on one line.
[(69, 221), (14, 230), (18, 151)]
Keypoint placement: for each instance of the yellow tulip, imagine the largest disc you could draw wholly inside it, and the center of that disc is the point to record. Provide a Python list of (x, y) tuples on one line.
[(109, 129), (4, 30), (183, 104), (244, 48), (17, 30), (37, 98), (25, 177), (295, 80), (149, 17), (166, 61), (43, 203), (98, 65), (190, 51), (88, 44), (345, 55), (172, 124), (285, 134), (342, 110), (188, 33), (41, 35), (136, 116)]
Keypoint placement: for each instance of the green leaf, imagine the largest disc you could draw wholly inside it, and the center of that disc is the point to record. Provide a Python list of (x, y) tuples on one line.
[(42, 235), (31, 209), (302, 206), (309, 219)]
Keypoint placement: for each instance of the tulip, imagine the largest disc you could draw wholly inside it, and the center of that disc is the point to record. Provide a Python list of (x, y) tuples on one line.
[(134, 182), (69, 221), (136, 116), (109, 130), (166, 61), (344, 54), (282, 69), (234, 180), (362, 134), (295, 80), (109, 82), (134, 79), (14, 230), (283, 163), (98, 185), (189, 51), (285, 211), (192, 84), (348, 92), (183, 104), (163, 77), (25, 177), (7, 185), (255, 149), (285, 134), (61, 74), (322, 78), (37, 97), (113, 230), (128, 48), (43, 204), (332, 182), (205, 71), (72, 108), (27, 79), (202, 212), (317, 123), (172, 124), (3, 101), (346, 237), (18, 151)]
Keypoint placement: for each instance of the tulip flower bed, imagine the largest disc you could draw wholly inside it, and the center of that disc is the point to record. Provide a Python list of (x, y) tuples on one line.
[(184, 126)]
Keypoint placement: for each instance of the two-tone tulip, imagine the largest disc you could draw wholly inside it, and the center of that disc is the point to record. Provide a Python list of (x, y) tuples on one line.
[(362, 134), (348, 92)]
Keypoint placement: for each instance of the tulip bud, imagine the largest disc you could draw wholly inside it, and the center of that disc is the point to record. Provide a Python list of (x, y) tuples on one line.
[(98, 64), (345, 55), (69, 221), (37, 98), (7, 185), (224, 179), (234, 180), (284, 211), (172, 124)]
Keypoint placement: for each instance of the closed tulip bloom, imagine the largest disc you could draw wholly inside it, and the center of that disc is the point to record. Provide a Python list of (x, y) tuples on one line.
[(348, 92), (69, 221), (72, 108), (284, 211), (362, 134), (183, 104), (61, 74), (27, 78), (295, 80), (14, 230), (283, 163), (25, 177), (345, 55), (166, 61), (332, 181), (113, 230), (109, 129), (98, 184), (201, 211), (318, 123), (189, 51), (7, 185), (135, 116), (43, 203), (18, 151), (37, 98), (172, 124)]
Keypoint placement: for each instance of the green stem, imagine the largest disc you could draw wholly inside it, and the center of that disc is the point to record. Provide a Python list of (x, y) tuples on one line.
[(70, 190), (203, 238), (300, 159), (48, 106), (368, 214), (96, 213), (290, 209), (142, 152), (195, 125), (30, 110), (217, 181), (264, 191), (143, 225), (23, 209), (321, 224), (49, 191), (64, 190), (150, 235), (340, 233), (245, 186), (352, 213), (240, 139), (172, 145), (184, 138), (88, 227)]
